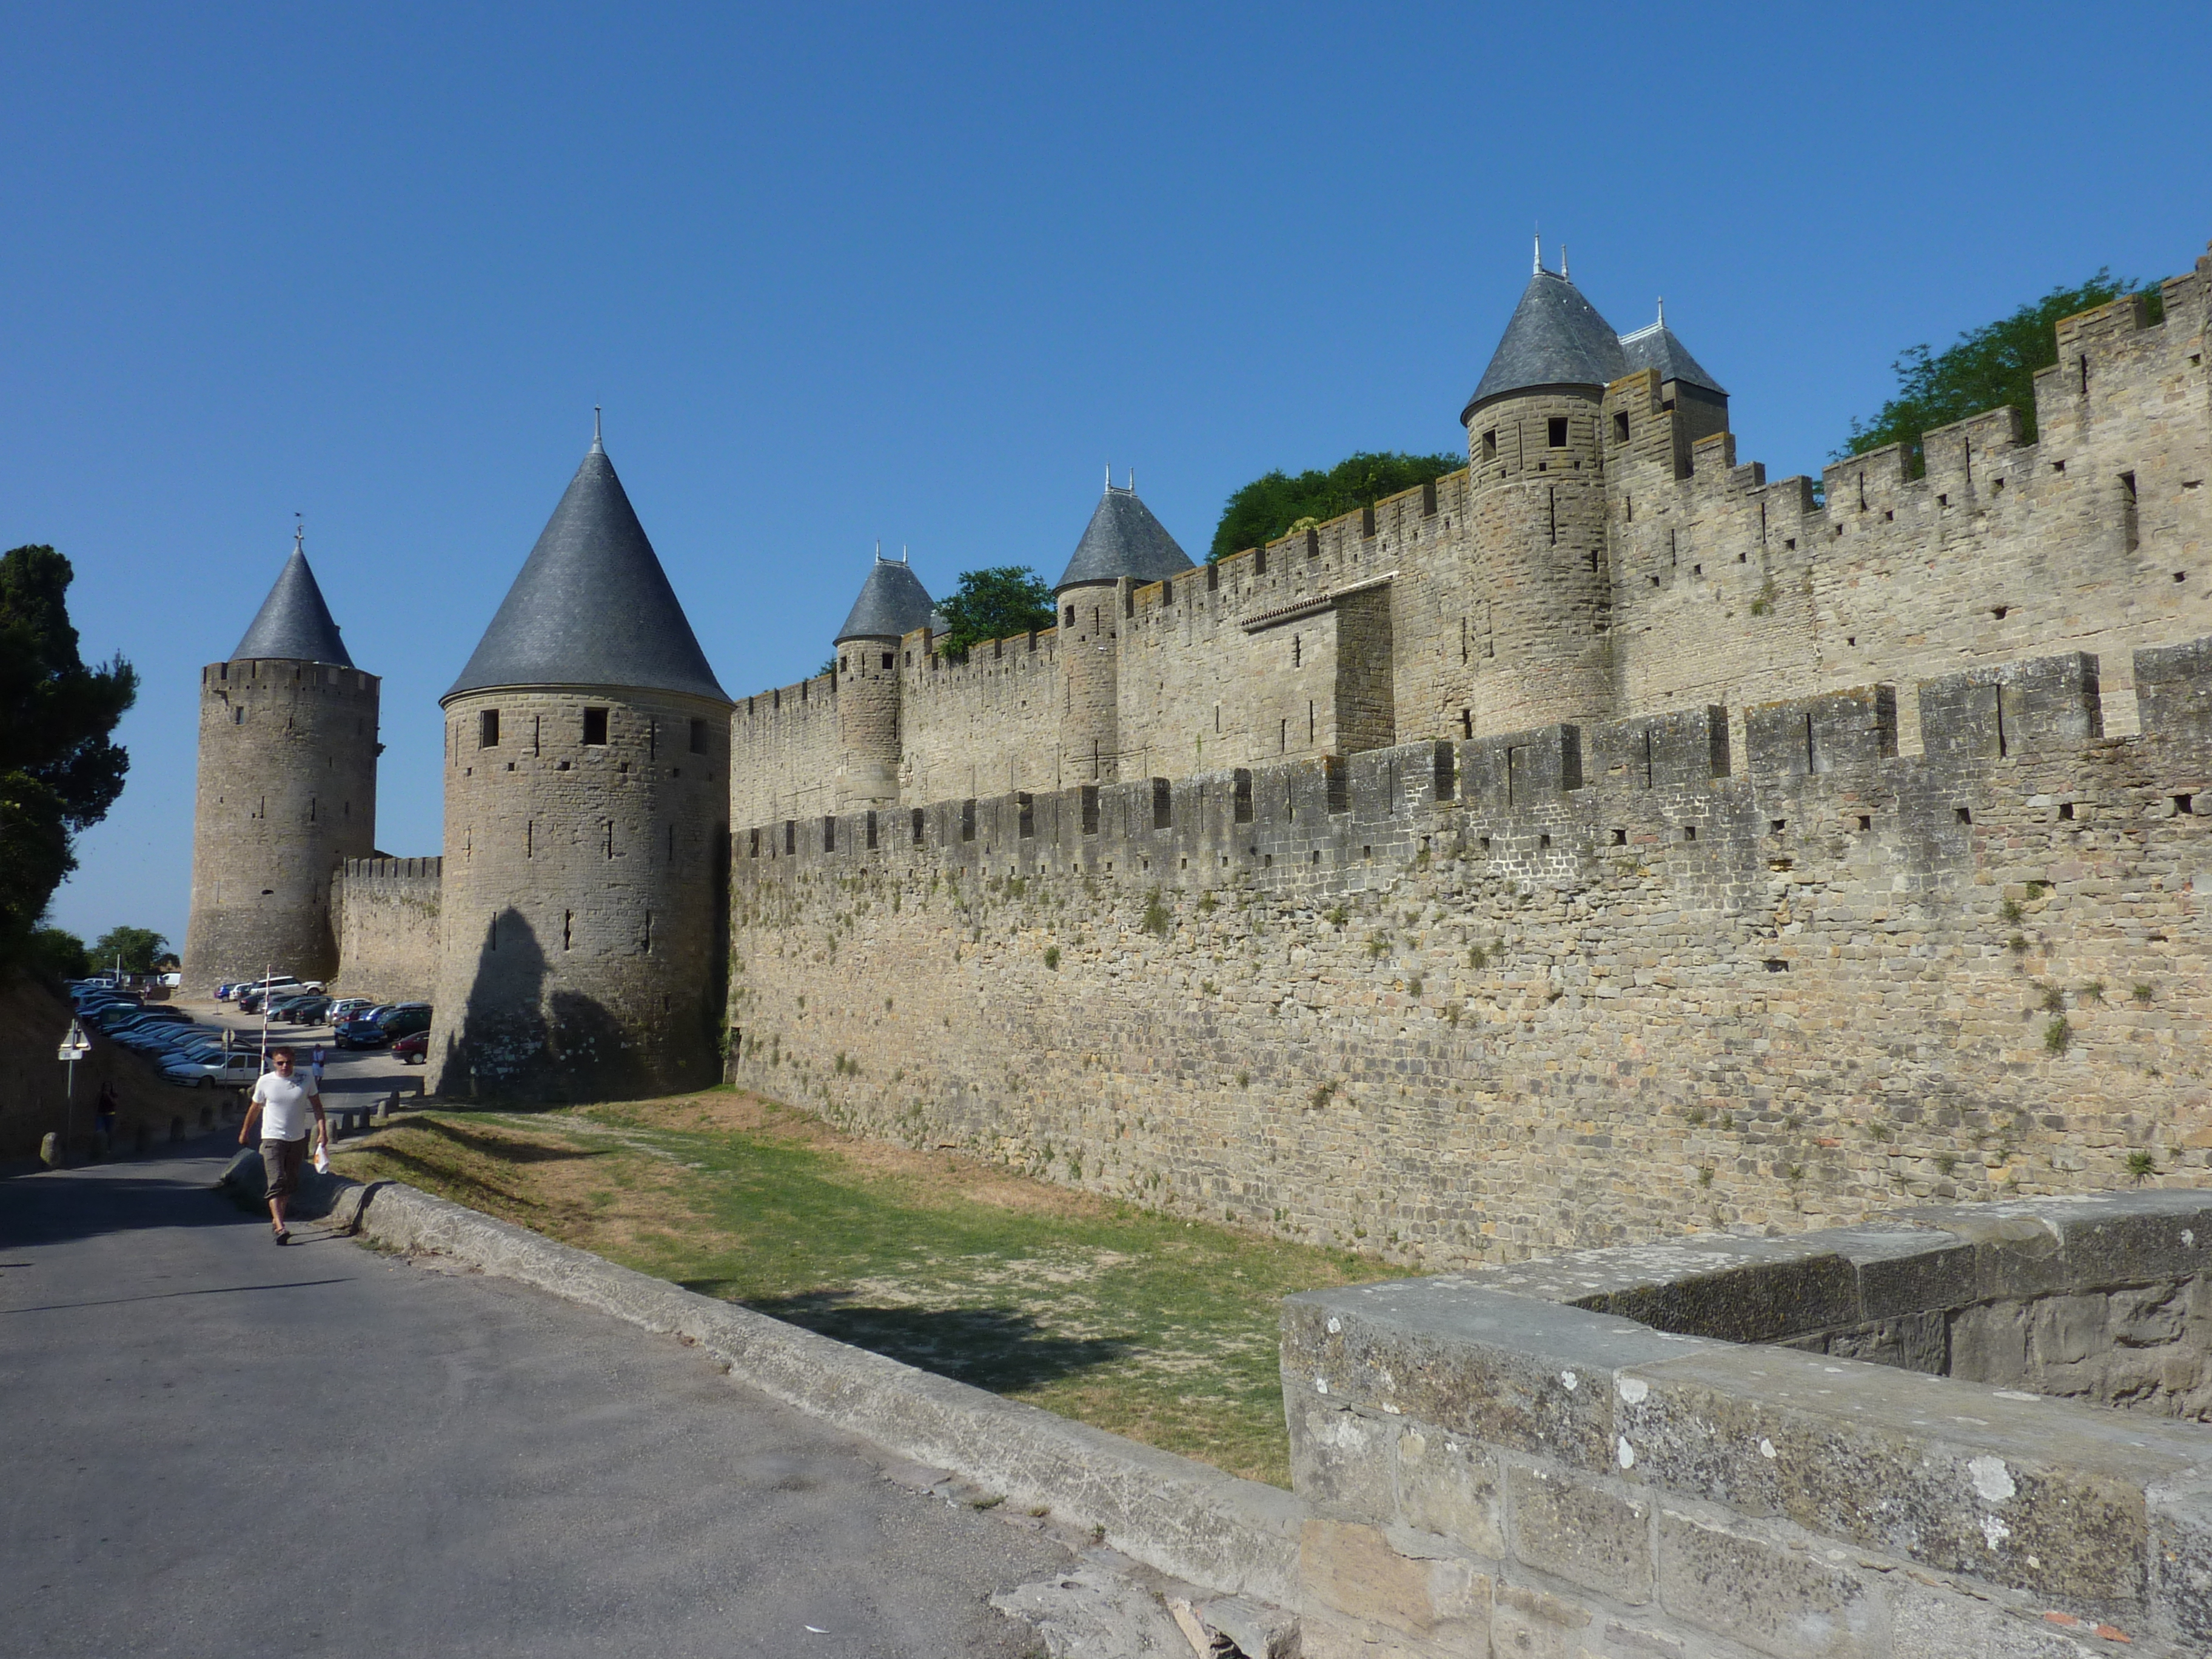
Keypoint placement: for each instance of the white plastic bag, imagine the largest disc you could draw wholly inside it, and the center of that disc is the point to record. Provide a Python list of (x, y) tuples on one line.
[(322, 1156)]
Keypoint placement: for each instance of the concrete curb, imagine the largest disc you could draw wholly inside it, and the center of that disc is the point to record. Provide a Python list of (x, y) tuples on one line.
[(1182, 1517)]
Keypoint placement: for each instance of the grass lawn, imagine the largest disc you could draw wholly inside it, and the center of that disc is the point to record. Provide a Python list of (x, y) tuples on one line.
[(1160, 1330)]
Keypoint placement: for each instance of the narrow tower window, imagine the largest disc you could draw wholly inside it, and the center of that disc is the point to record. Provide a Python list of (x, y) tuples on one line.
[(1489, 452), (1559, 431), (699, 735), (1620, 426), (488, 729), (595, 726)]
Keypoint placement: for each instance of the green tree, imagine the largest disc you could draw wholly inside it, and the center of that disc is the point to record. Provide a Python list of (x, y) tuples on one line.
[(1275, 503), (134, 950), (1988, 367), (994, 604), (59, 772), (59, 953)]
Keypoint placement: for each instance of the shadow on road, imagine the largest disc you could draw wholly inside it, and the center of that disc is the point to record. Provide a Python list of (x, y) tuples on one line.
[(999, 1349), (52, 1206)]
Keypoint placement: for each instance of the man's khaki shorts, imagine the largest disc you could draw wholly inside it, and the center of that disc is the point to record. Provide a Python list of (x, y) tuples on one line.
[(280, 1161)]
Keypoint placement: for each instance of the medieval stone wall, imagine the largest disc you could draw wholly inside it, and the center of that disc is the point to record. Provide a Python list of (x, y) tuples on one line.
[(1460, 1001), (1630, 566), (387, 911), (786, 748), (985, 726)]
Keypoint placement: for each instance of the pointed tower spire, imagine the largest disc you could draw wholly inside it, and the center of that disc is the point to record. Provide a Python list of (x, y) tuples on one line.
[(591, 605), (294, 625), (1556, 338), (892, 603), (1124, 539)]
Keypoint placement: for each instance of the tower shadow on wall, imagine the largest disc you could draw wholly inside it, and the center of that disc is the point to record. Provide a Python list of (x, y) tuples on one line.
[(518, 1043)]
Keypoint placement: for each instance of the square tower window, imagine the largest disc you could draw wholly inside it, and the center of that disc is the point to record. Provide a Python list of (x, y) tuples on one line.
[(595, 726), (698, 737), (488, 729), (1558, 433)]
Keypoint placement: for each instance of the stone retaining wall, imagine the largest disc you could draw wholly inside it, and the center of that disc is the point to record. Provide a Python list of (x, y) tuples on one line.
[(1489, 1458)]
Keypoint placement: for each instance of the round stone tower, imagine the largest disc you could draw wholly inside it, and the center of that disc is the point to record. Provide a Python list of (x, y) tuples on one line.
[(583, 913), (1536, 510), (1124, 546), (287, 789), (892, 603)]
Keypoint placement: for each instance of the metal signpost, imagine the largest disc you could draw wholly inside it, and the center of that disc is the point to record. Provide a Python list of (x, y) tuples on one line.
[(74, 1047)]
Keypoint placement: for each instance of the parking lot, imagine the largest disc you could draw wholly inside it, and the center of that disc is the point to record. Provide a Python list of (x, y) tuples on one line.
[(348, 1074)]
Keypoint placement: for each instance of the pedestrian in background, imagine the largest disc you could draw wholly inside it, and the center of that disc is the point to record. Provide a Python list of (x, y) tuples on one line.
[(280, 1105)]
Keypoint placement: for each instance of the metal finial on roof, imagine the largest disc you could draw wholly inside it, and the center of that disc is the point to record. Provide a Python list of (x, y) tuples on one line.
[(1662, 311), (1133, 481), (299, 534), (1110, 475), (879, 550), (1536, 265), (1563, 262), (599, 447)]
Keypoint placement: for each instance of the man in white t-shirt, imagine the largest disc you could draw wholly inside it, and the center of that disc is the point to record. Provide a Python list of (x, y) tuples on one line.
[(281, 1104)]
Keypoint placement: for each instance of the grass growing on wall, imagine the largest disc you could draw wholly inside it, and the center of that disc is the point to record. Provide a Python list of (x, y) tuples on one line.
[(1161, 1329)]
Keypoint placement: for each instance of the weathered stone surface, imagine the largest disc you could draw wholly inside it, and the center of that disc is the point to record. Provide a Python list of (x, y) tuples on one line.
[(2017, 1491), (1583, 1531), (2181, 1538), (1352, 1570), (1451, 1486), (1536, 1625), (1778, 1601), (1505, 1369)]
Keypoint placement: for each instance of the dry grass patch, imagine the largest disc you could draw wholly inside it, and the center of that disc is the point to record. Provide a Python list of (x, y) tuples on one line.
[(1158, 1328)]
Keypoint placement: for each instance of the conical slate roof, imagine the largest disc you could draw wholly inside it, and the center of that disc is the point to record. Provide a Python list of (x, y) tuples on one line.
[(1556, 338), (1124, 539), (1659, 347), (892, 603), (591, 605), (293, 624)]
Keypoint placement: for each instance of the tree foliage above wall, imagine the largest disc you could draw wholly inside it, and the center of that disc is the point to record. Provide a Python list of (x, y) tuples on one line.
[(1276, 503), (994, 604), (133, 950), (60, 773), (1988, 367)]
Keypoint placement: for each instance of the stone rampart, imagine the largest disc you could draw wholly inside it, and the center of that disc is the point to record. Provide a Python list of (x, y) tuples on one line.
[(988, 725), (1588, 1455), (785, 751), (1645, 570), (387, 911), (1462, 1001)]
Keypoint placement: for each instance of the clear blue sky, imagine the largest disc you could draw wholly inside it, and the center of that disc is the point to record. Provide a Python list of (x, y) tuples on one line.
[(919, 273)]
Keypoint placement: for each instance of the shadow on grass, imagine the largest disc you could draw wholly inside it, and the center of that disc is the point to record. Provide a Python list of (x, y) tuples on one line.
[(993, 1348), (506, 1151)]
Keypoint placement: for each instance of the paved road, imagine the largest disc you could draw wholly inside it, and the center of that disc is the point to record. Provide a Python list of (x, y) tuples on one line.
[(218, 1447)]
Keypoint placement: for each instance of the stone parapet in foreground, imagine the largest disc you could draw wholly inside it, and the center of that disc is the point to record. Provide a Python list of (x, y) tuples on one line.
[(1494, 1456)]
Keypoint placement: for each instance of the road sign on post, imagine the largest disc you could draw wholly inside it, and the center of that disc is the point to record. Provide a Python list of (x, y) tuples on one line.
[(75, 1045)]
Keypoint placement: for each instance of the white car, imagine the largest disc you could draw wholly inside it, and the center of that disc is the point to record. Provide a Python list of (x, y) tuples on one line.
[(232, 1071)]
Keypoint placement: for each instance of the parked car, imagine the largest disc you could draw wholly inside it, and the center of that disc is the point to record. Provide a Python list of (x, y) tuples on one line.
[(414, 1048), (344, 1008), (234, 1070), (405, 1019), (365, 1029), (306, 1010)]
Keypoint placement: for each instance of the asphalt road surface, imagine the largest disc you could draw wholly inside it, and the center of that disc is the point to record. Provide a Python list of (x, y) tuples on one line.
[(219, 1447)]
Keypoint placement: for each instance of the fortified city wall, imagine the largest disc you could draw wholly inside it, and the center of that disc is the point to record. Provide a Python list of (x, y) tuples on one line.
[(1463, 1001), (1717, 586), (387, 911)]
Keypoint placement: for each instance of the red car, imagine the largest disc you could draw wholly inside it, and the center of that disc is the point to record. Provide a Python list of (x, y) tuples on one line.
[(414, 1048)]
